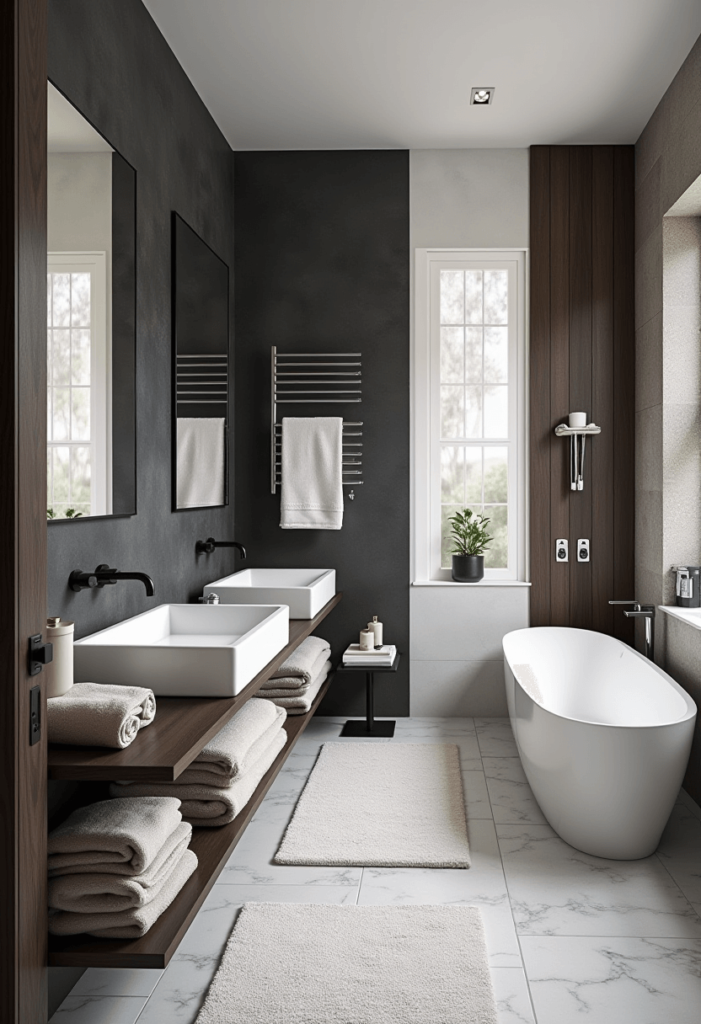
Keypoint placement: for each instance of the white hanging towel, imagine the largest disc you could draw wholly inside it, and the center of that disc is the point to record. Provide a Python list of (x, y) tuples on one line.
[(312, 492), (200, 461)]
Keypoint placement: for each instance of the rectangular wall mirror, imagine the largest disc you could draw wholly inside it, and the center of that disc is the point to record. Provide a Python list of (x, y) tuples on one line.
[(200, 372), (91, 298)]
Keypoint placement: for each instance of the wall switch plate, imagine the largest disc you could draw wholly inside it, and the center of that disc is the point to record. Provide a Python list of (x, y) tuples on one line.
[(562, 553), (582, 550)]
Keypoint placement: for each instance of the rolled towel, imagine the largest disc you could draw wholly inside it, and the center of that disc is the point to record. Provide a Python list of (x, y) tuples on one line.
[(116, 837), (99, 715), (127, 924), (303, 661), (106, 894), (300, 704), (212, 806)]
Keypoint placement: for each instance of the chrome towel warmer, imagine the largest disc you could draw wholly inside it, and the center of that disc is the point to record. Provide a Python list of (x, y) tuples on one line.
[(310, 378)]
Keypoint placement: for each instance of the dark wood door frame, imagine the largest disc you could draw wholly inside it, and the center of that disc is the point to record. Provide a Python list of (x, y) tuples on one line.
[(23, 938)]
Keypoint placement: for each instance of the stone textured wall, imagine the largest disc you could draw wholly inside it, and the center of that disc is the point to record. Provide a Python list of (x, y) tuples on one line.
[(668, 372)]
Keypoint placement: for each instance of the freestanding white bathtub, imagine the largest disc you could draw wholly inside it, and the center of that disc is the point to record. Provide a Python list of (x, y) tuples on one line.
[(603, 734)]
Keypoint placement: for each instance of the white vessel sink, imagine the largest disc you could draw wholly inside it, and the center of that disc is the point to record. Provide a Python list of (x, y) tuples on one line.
[(185, 650), (304, 591)]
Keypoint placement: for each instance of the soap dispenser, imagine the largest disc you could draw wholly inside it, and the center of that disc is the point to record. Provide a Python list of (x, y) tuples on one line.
[(59, 632), (376, 628)]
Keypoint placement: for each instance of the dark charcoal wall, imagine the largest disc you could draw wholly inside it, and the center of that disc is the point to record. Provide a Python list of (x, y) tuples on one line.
[(322, 243), (111, 61)]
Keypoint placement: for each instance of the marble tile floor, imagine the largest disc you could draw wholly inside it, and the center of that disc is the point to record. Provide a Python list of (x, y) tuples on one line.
[(571, 938)]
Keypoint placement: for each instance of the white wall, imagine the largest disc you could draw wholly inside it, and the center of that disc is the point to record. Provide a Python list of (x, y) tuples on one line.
[(79, 192), (475, 199)]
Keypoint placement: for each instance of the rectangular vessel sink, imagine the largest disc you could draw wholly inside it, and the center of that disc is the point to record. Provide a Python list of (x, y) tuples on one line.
[(304, 591), (185, 650)]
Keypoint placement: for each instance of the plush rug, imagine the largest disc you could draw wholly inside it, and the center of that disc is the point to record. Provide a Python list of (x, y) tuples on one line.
[(291, 963), (380, 805)]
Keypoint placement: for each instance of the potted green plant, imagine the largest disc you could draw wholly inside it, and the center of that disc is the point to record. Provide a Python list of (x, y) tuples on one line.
[(470, 541)]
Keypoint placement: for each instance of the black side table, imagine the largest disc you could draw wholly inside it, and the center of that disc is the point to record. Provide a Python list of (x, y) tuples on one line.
[(370, 727)]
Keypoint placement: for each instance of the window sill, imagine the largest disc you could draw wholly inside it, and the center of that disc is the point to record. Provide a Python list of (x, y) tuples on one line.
[(692, 616), (482, 583)]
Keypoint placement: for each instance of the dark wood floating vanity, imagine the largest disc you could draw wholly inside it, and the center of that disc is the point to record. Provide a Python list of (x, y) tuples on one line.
[(161, 753)]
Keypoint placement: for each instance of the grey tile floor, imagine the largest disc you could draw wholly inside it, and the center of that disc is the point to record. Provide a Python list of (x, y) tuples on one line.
[(570, 937)]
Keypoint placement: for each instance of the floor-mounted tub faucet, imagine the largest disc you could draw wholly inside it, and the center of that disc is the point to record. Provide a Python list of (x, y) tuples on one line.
[(647, 612), (104, 576), (206, 547)]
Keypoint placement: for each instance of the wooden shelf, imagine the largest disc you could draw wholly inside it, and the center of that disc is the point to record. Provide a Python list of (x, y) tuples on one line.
[(213, 847), (181, 728)]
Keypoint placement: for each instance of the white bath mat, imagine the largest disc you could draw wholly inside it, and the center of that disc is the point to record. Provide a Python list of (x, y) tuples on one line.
[(380, 805), (291, 963)]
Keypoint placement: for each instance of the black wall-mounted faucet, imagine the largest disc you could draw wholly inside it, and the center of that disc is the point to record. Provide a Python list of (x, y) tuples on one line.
[(104, 576), (206, 547)]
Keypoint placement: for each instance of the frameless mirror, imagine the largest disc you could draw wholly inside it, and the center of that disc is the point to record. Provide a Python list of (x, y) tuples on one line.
[(201, 371), (91, 295)]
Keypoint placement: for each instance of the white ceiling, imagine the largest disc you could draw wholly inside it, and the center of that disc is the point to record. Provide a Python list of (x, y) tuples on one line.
[(349, 74), (67, 129)]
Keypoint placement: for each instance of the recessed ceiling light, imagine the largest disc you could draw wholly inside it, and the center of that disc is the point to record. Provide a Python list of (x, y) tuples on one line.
[(481, 95)]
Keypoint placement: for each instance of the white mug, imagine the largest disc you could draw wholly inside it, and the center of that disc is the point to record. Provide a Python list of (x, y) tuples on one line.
[(578, 419)]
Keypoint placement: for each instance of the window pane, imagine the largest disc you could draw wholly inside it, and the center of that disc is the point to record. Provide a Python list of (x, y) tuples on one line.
[(452, 411), (452, 297), (452, 355), (473, 355), (446, 541), (452, 473), (48, 299), (80, 410), (473, 412), (495, 474), (80, 475), (80, 300), (497, 557), (61, 300), (496, 355), (473, 296), (495, 293), (61, 356), (80, 357), (473, 475), (61, 461), (61, 417), (496, 411)]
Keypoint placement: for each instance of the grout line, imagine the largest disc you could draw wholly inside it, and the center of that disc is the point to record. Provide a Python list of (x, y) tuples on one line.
[(511, 909)]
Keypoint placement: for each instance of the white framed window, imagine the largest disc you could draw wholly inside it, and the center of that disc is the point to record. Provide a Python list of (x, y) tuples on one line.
[(469, 405), (78, 415)]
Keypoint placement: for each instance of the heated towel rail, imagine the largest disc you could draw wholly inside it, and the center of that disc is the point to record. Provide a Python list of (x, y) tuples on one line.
[(310, 378)]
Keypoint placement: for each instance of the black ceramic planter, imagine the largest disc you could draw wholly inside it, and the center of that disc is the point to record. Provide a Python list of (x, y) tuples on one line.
[(468, 568)]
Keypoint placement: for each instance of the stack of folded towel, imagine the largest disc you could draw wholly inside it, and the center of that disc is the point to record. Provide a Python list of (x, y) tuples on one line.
[(298, 680), (116, 865), (223, 778), (100, 714)]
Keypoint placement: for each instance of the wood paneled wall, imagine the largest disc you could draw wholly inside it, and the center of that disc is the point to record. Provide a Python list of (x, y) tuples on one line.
[(582, 358)]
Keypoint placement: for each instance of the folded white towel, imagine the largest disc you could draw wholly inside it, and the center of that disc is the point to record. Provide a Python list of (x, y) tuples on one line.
[(127, 924), (212, 806), (300, 704), (200, 461), (293, 686), (104, 894), (209, 773), (120, 837), (302, 662), (100, 715), (312, 492)]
